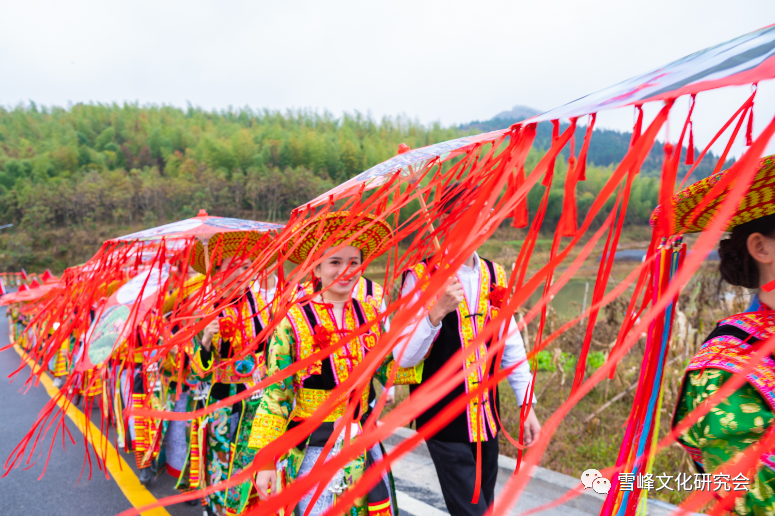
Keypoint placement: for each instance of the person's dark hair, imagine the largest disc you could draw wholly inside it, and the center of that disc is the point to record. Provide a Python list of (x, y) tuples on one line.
[(451, 195), (737, 266)]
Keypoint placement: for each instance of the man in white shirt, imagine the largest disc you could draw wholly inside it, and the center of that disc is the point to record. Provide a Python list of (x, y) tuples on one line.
[(459, 313)]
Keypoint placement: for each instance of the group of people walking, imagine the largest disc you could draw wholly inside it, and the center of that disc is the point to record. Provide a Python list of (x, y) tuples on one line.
[(338, 301), (223, 361)]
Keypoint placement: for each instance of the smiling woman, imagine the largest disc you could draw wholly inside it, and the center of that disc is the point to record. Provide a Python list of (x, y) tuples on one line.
[(338, 273), (329, 321)]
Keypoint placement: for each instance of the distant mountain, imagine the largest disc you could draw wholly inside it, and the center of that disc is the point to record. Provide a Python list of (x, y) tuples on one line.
[(518, 113), (607, 146)]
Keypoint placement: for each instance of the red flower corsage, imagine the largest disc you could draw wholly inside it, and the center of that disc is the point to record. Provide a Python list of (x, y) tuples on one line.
[(322, 336), (226, 328), (498, 296)]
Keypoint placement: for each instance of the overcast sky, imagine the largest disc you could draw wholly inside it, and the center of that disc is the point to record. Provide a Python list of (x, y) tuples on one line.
[(447, 61)]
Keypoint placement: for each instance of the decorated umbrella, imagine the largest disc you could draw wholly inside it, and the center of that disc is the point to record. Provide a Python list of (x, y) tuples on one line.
[(111, 327), (227, 233), (133, 271), (148, 249), (748, 59), (28, 294), (203, 227), (409, 164)]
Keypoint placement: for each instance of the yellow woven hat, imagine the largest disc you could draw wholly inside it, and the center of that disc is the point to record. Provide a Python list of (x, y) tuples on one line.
[(758, 201), (250, 244), (318, 230)]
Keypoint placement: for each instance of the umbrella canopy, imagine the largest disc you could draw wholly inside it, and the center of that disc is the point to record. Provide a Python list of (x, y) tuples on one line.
[(410, 164), (115, 321), (242, 234), (744, 60), (26, 295), (202, 227), (111, 328)]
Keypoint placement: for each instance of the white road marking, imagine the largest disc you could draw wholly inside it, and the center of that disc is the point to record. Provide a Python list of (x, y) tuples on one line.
[(416, 507)]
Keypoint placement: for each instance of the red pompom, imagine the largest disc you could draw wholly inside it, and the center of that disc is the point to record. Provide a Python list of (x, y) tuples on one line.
[(668, 148), (498, 296), (322, 336), (226, 328)]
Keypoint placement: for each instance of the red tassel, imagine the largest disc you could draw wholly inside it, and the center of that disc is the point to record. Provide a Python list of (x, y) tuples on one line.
[(638, 125), (690, 150), (138, 261), (582, 162), (749, 130), (568, 224), (569, 219), (520, 216), (666, 190), (550, 169)]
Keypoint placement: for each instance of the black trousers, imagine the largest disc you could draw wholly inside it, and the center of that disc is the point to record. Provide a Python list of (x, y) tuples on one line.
[(456, 467)]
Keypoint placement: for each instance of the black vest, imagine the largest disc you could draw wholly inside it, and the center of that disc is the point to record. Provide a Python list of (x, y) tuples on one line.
[(326, 381), (447, 343)]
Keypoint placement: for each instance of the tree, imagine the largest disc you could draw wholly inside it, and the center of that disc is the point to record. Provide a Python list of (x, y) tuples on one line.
[(351, 162)]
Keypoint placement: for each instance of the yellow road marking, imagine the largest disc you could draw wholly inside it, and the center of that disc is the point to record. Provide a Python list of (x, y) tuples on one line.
[(127, 481)]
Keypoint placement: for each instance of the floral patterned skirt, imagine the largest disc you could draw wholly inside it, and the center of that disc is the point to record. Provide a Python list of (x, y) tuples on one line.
[(228, 433), (380, 500)]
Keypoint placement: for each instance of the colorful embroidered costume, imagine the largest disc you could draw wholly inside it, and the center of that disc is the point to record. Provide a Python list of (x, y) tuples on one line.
[(736, 423), (458, 330), (175, 367), (739, 421), (466, 448), (229, 369), (365, 291), (287, 404)]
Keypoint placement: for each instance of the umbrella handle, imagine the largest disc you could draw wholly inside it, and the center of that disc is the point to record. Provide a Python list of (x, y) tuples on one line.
[(430, 222), (205, 246), (422, 201)]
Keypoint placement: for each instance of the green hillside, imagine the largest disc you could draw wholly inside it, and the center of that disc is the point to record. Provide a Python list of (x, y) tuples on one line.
[(607, 147), (70, 178)]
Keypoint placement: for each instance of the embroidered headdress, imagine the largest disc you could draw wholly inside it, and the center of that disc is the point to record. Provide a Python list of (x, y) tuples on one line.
[(248, 244), (759, 201), (361, 230)]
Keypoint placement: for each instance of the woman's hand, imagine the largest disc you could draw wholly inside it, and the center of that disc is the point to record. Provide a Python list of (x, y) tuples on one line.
[(210, 330), (266, 480)]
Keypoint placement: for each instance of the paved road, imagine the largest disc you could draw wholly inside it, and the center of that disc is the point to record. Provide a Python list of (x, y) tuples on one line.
[(59, 493)]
